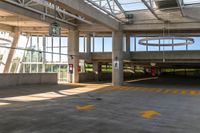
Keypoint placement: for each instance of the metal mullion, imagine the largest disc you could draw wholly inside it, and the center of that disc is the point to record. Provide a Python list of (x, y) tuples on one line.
[(84, 49), (37, 54), (60, 43), (30, 68), (103, 44), (44, 53), (135, 48), (52, 43), (93, 43)]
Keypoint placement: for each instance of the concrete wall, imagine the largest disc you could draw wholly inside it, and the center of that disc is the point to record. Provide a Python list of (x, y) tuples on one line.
[(150, 56), (25, 79), (195, 74), (90, 76), (86, 77)]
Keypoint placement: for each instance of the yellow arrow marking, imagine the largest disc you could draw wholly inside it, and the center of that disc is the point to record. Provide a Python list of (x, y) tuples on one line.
[(86, 107), (149, 113)]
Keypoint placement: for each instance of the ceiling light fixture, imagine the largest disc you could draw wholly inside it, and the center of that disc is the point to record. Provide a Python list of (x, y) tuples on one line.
[(178, 41)]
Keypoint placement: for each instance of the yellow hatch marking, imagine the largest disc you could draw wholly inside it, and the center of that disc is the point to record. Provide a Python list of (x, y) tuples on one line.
[(184, 92), (175, 91), (86, 107), (193, 92), (156, 90), (149, 114)]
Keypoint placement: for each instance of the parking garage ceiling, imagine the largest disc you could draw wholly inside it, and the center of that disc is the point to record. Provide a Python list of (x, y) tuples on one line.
[(158, 8), (135, 15)]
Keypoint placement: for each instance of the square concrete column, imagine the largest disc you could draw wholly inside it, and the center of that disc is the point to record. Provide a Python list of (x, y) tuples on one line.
[(117, 58), (128, 41), (88, 43), (73, 58), (88, 47), (97, 70)]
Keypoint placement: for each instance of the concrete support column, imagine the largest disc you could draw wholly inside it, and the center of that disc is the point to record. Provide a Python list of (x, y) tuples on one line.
[(44, 54), (117, 58), (8, 57), (73, 58), (97, 71), (88, 43), (128, 42), (88, 46)]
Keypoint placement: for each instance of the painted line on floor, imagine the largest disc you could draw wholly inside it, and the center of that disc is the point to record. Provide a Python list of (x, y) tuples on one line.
[(157, 90)]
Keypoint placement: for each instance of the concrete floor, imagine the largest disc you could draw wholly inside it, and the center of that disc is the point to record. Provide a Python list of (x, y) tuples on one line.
[(54, 108)]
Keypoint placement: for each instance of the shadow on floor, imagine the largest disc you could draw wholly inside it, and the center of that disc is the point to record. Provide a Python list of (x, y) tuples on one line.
[(169, 82), (14, 91)]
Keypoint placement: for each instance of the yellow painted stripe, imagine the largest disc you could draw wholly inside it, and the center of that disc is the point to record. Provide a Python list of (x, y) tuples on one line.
[(142, 89), (134, 89), (183, 92), (167, 91), (124, 87), (198, 92), (193, 92), (175, 91), (154, 89), (128, 88), (150, 89), (158, 90), (115, 87)]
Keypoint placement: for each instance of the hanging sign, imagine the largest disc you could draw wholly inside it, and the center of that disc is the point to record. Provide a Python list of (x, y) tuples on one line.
[(54, 29), (116, 64), (71, 68)]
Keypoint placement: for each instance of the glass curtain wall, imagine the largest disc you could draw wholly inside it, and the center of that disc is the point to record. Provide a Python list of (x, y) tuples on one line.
[(39, 54), (136, 47), (3, 51), (101, 44)]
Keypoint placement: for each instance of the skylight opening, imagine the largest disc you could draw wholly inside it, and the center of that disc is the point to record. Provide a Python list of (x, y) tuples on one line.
[(190, 2)]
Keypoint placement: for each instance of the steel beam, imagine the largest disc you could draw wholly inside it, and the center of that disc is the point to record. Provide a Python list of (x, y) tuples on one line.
[(152, 11), (88, 12), (40, 15)]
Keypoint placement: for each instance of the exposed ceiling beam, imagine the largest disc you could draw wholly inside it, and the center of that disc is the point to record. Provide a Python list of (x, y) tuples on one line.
[(160, 26), (12, 18), (151, 10), (180, 4), (192, 13), (105, 10), (35, 14), (6, 28), (60, 11), (120, 6), (85, 10)]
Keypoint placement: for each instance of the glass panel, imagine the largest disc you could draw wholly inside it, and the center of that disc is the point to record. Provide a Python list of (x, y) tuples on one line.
[(196, 45), (166, 48), (81, 44), (98, 44), (92, 44), (191, 1), (56, 55), (138, 46), (107, 44), (132, 44), (153, 48), (181, 48)]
